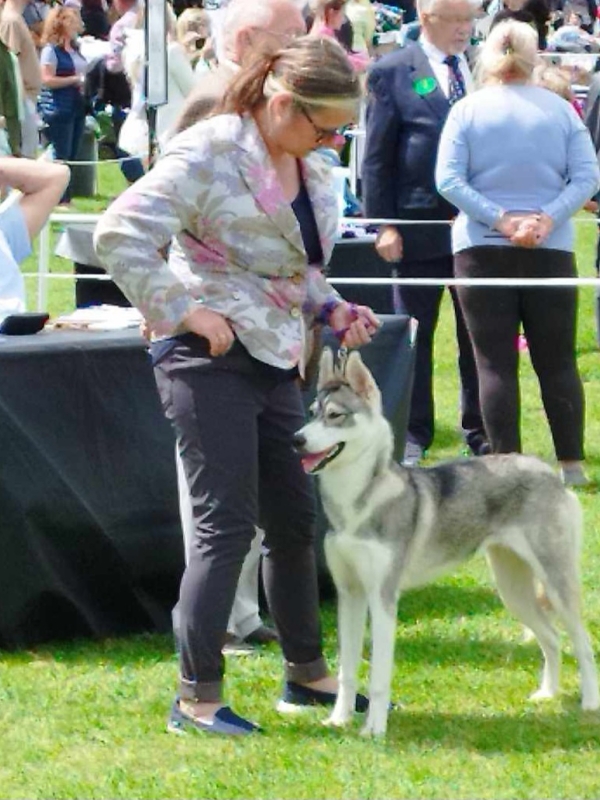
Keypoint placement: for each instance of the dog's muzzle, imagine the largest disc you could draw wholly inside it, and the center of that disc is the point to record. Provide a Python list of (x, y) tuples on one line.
[(314, 462)]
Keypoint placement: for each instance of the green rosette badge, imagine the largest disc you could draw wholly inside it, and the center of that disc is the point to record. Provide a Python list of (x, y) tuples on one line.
[(424, 86)]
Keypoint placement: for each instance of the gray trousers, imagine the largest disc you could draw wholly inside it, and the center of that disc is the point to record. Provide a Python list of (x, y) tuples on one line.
[(234, 419), (245, 612)]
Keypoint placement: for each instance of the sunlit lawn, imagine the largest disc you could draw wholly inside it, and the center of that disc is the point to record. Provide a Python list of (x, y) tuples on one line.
[(86, 719)]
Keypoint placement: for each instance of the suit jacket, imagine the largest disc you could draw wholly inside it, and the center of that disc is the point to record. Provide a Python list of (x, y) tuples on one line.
[(207, 93), (237, 246), (406, 112)]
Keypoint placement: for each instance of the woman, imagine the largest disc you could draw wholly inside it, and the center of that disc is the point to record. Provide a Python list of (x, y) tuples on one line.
[(61, 101), (193, 34), (133, 137), (327, 19), (253, 216), (518, 163)]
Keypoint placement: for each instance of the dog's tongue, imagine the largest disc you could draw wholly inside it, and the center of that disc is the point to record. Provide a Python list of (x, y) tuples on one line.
[(312, 460)]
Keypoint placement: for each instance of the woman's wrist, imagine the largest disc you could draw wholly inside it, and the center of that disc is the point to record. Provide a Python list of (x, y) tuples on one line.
[(326, 310)]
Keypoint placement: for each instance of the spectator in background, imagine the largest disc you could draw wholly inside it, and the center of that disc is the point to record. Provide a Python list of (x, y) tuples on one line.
[(94, 16), (41, 184), (10, 100), (518, 162), (328, 18), (362, 18), (34, 14), (15, 35), (411, 92), (127, 11), (134, 135), (194, 35), (247, 28), (61, 102)]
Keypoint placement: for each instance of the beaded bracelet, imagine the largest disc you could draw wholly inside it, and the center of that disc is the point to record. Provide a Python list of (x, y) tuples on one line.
[(324, 317)]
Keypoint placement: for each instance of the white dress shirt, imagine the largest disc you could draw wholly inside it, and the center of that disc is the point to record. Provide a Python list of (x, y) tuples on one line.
[(441, 70)]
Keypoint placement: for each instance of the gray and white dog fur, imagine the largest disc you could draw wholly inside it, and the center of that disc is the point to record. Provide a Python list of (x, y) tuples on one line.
[(394, 528)]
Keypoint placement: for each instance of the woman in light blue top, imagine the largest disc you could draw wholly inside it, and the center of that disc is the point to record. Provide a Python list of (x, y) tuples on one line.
[(518, 163)]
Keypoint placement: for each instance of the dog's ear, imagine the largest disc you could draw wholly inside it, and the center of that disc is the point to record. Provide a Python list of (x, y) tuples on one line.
[(326, 368), (361, 381)]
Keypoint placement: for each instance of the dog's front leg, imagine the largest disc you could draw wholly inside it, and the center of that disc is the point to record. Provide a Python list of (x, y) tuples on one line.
[(383, 632), (352, 620)]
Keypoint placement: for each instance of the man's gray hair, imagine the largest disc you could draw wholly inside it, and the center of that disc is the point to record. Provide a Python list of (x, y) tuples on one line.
[(425, 6), (239, 15)]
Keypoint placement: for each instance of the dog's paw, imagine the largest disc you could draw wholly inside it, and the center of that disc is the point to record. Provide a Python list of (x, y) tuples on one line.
[(541, 695), (374, 730), (337, 720), (590, 703)]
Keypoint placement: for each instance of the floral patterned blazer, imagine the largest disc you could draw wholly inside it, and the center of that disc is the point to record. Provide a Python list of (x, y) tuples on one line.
[(235, 242)]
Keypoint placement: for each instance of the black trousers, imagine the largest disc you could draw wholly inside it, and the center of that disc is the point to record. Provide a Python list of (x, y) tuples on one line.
[(423, 303), (234, 418), (549, 319)]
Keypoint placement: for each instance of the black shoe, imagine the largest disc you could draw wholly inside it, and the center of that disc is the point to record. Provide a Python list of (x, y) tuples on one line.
[(297, 697), (479, 446), (262, 635)]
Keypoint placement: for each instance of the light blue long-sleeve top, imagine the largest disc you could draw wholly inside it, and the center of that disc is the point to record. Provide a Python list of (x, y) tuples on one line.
[(514, 148)]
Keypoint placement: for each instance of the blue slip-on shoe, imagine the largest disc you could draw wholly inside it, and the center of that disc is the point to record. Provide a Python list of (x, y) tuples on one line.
[(225, 722), (298, 698)]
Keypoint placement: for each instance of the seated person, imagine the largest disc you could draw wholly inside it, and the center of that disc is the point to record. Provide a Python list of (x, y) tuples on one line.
[(41, 184), (572, 38)]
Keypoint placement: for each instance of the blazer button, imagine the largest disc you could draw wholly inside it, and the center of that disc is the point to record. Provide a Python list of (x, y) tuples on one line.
[(295, 312)]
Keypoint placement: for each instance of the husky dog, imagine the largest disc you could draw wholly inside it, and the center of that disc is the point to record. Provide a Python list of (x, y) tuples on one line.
[(394, 528)]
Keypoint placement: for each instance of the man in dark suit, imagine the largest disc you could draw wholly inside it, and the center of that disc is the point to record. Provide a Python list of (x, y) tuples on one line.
[(410, 93)]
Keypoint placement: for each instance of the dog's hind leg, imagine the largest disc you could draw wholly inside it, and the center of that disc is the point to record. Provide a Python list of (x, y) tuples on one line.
[(383, 634), (565, 598), (515, 582)]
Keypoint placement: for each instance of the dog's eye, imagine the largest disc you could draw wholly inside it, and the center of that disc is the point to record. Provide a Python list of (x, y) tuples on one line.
[(334, 415)]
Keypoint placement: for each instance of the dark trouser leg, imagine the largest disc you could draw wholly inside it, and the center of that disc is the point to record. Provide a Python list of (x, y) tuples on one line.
[(60, 135), (422, 303), (216, 412), (214, 416), (492, 317), (550, 325), (471, 418), (287, 512)]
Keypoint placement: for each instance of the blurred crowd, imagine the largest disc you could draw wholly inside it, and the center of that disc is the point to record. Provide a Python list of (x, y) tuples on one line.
[(62, 63)]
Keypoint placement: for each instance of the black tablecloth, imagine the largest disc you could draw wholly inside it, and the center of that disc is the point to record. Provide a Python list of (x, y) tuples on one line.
[(89, 528)]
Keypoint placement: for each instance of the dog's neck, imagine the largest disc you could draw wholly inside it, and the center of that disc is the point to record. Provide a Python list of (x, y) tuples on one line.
[(345, 485)]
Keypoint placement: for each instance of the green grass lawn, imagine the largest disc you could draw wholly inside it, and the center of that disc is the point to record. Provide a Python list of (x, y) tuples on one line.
[(86, 719)]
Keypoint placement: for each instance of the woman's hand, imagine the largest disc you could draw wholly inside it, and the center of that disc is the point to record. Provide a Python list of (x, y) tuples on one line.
[(533, 230), (389, 243), (213, 327), (353, 325), (525, 230)]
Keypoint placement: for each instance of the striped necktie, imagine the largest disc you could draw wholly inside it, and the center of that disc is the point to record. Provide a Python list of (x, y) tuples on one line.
[(457, 81)]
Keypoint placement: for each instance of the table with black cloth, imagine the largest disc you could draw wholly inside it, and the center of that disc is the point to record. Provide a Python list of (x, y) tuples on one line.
[(89, 526)]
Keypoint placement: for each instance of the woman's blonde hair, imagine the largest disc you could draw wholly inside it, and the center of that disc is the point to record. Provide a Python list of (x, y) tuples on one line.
[(57, 24), (192, 20), (509, 53), (555, 78), (314, 70)]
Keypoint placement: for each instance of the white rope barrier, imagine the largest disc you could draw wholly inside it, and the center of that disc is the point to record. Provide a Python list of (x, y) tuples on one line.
[(44, 275)]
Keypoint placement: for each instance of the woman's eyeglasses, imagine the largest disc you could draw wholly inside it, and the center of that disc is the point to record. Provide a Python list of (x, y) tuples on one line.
[(323, 133)]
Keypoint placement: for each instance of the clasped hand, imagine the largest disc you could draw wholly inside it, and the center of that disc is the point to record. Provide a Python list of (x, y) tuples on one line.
[(354, 325), (525, 230)]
